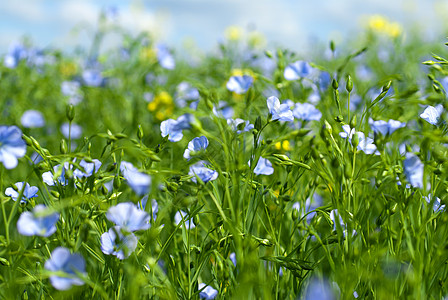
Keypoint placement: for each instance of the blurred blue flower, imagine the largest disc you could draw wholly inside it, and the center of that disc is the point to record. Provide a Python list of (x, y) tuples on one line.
[(62, 261), (128, 216), (232, 257), (118, 243), (41, 221), (32, 119), (138, 181), (89, 168), (413, 169), (223, 110), (324, 80), (306, 112), (12, 146), (165, 58), (264, 167), (154, 205), (204, 173), (319, 289), (432, 114), (16, 53), (195, 145), (92, 77), (180, 216), (28, 191), (385, 128), (185, 93), (281, 112), (437, 205), (72, 89), (235, 124), (207, 292), (310, 205), (297, 70), (173, 128), (58, 175), (74, 132), (239, 84)]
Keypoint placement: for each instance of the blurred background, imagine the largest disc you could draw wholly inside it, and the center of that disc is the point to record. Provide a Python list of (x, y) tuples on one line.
[(67, 24)]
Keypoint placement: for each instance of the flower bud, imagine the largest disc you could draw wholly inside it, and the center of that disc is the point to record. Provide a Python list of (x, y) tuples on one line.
[(140, 132), (70, 112), (334, 84), (349, 84), (63, 147)]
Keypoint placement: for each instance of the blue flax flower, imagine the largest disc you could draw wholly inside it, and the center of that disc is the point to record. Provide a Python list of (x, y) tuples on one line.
[(297, 70), (185, 93), (385, 128), (306, 112), (73, 131), (365, 143), (154, 205), (32, 119), (165, 58), (12, 146), (58, 175), (89, 168), (223, 110), (28, 191), (264, 167), (413, 169), (118, 242), (207, 292), (173, 128), (180, 216), (63, 261), (239, 84), (128, 216), (16, 53), (138, 181), (195, 145), (235, 124), (437, 205), (232, 257), (281, 112), (432, 114), (319, 289), (204, 173), (41, 221), (72, 89)]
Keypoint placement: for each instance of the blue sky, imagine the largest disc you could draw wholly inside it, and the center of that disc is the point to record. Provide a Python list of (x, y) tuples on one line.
[(68, 23)]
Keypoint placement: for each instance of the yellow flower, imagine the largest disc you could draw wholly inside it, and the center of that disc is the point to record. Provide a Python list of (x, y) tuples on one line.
[(147, 53), (68, 69), (233, 33), (285, 145), (162, 105), (256, 39), (380, 24)]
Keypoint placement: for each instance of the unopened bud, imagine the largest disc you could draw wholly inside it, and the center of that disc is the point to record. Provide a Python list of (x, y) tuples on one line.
[(70, 112), (334, 84), (349, 84), (140, 132), (63, 147)]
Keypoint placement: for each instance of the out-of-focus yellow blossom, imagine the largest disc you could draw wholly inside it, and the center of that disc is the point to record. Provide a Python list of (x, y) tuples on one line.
[(147, 53), (256, 39), (241, 72), (285, 145), (162, 105), (68, 69), (233, 33), (380, 24)]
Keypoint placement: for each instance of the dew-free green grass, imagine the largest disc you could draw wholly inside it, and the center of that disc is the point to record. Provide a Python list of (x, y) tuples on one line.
[(319, 176)]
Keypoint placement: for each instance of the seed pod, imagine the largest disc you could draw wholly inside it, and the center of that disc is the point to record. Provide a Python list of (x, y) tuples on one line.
[(349, 84), (63, 147), (140, 132)]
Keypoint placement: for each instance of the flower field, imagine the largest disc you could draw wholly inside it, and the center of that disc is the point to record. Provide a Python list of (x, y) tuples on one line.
[(146, 172)]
